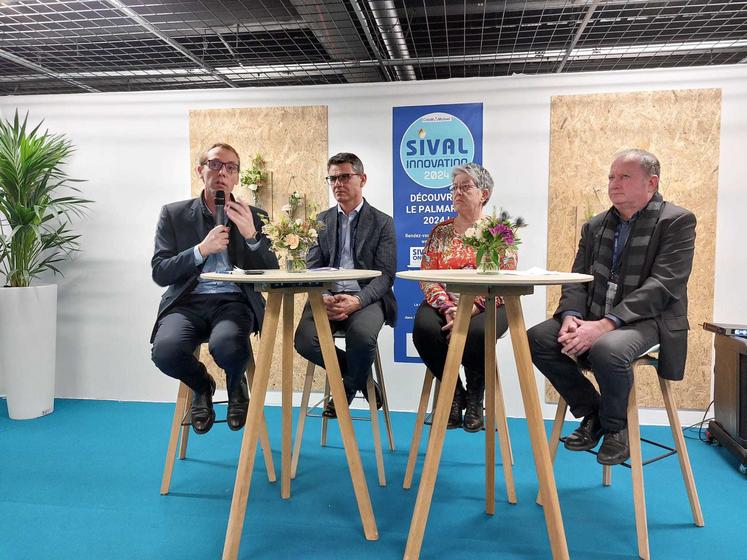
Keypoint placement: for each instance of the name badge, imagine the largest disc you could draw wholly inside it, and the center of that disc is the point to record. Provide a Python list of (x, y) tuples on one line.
[(609, 298)]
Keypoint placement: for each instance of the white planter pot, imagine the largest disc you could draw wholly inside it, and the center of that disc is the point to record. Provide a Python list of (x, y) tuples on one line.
[(28, 339)]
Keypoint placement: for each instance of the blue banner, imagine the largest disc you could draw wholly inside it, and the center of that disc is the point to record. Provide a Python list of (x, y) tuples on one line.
[(428, 142)]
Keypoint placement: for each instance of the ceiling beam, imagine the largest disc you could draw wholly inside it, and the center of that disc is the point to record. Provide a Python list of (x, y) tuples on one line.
[(169, 41), (37, 68), (577, 36)]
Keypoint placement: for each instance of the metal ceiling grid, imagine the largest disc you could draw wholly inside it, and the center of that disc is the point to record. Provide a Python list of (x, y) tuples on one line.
[(61, 46)]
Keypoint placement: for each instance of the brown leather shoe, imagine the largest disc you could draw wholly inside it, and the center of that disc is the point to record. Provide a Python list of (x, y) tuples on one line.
[(201, 412), (238, 404)]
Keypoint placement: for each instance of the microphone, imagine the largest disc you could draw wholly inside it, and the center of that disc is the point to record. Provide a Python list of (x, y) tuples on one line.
[(220, 208)]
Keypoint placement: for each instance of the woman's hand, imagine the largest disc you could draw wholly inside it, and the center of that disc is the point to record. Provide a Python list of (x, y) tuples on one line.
[(450, 315)]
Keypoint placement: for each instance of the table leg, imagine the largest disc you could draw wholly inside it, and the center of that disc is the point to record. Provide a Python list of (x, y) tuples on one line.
[(251, 430), (343, 415), (489, 372), (438, 428), (287, 396), (537, 434)]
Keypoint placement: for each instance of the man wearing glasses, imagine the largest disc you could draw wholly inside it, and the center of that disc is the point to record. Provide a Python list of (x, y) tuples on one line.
[(356, 235), (189, 241)]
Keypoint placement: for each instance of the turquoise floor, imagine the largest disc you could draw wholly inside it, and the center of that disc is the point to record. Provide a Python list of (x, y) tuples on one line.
[(83, 483)]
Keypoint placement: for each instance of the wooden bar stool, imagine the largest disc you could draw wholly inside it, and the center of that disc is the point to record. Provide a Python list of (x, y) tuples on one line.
[(424, 418), (181, 422), (636, 462), (376, 374)]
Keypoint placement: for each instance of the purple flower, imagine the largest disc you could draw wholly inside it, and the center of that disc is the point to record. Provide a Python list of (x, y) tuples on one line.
[(504, 232)]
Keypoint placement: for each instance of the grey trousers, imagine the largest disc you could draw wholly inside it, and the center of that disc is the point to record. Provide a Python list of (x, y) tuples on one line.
[(609, 358)]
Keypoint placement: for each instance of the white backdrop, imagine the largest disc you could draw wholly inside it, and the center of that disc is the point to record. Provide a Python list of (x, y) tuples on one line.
[(132, 148)]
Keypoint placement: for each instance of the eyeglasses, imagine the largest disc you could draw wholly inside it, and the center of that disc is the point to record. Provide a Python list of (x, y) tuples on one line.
[(217, 165), (461, 188), (342, 178)]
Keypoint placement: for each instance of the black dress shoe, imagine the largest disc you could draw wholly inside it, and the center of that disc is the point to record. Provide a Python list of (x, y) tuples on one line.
[(377, 392), (201, 411), (615, 448), (238, 404), (329, 408), (586, 436)]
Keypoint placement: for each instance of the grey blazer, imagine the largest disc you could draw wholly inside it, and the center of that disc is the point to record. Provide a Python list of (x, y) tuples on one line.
[(662, 293), (374, 248), (181, 226)]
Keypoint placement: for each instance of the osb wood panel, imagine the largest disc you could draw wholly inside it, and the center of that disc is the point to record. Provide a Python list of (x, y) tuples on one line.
[(682, 127), (293, 143)]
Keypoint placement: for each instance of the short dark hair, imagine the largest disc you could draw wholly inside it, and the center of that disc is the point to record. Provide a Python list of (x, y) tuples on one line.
[(202, 160), (346, 157)]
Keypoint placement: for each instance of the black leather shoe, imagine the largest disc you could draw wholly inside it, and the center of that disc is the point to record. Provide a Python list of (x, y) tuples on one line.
[(201, 411), (473, 418), (329, 409), (615, 448), (377, 392), (586, 436), (238, 404)]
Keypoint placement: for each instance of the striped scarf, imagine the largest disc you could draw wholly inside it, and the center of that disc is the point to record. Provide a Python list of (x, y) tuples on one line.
[(631, 260)]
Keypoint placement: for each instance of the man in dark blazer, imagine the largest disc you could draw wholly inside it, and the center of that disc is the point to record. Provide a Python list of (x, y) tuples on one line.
[(356, 235), (640, 253), (189, 242)]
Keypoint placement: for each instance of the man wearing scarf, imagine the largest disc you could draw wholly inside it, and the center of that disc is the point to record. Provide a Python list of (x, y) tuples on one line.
[(640, 253)]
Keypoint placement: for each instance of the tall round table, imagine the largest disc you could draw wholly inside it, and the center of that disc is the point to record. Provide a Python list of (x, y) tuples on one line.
[(510, 286), (281, 287)]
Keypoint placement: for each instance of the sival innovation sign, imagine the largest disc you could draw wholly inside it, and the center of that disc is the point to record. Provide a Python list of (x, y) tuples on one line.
[(428, 142)]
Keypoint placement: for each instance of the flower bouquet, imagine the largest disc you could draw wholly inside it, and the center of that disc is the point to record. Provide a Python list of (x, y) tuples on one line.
[(294, 231), (494, 238), (254, 177)]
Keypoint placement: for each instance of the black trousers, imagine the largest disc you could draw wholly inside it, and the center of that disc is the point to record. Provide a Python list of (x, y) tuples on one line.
[(223, 320), (432, 345), (609, 358), (361, 333)]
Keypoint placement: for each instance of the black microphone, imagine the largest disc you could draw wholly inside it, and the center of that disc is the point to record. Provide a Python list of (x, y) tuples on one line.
[(220, 208)]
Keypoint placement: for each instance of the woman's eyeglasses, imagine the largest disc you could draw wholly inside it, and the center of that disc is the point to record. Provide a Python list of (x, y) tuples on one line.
[(461, 188)]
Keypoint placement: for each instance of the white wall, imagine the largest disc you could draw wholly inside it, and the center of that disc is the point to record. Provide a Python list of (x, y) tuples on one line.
[(132, 148)]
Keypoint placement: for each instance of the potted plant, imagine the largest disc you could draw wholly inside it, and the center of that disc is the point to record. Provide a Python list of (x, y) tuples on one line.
[(254, 177), (37, 203)]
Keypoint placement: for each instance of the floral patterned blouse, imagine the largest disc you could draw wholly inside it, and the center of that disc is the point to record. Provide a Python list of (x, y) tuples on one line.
[(444, 250)]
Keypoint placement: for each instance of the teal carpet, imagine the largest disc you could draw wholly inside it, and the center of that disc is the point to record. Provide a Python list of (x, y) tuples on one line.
[(83, 483)]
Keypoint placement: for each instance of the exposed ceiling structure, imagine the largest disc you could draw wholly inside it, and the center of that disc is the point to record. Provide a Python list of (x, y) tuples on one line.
[(60, 46)]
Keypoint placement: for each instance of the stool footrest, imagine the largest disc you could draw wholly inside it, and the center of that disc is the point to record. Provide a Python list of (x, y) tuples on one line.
[(670, 451)]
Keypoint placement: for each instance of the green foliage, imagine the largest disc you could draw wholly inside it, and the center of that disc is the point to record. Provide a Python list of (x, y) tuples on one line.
[(37, 202), (255, 175)]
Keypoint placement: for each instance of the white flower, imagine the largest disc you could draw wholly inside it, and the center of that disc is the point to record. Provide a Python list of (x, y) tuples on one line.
[(312, 233), (292, 240), (470, 232), (252, 187), (299, 221)]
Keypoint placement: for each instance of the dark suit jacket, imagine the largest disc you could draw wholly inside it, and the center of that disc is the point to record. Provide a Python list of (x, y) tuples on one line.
[(374, 248), (181, 226), (662, 293)]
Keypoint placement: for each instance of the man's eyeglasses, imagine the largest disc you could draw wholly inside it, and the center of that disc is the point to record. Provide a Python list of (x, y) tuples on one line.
[(217, 165), (342, 178), (461, 188)]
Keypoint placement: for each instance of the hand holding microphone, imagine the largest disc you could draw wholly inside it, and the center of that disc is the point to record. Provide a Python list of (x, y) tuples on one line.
[(216, 241)]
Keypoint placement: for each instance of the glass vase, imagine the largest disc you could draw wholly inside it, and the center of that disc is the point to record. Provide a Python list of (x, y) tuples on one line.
[(295, 261), (488, 266)]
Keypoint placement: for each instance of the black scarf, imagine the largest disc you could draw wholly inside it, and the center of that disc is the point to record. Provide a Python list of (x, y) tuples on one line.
[(631, 260)]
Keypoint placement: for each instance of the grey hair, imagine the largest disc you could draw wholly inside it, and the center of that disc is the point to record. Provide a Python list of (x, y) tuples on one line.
[(648, 161), (481, 176)]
